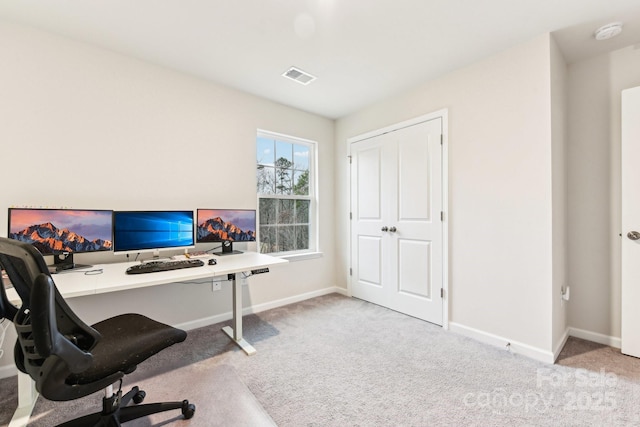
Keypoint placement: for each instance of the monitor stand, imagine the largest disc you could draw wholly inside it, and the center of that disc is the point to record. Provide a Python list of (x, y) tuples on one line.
[(227, 249), (64, 261)]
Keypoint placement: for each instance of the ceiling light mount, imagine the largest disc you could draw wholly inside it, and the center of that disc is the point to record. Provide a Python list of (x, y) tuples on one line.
[(299, 76), (608, 31)]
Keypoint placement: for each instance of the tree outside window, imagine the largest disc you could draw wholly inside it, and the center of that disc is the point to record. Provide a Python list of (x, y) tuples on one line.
[(285, 193)]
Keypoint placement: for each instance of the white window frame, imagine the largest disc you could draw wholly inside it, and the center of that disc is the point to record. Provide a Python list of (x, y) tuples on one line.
[(312, 197)]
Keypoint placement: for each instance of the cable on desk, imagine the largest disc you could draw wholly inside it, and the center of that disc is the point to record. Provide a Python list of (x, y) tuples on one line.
[(196, 282), (93, 272), (205, 281), (85, 272), (213, 249)]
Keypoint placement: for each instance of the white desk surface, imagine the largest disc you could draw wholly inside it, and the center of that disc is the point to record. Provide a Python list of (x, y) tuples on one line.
[(75, 283)]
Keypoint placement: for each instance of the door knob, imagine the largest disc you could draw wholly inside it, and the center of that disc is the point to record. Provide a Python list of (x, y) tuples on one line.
[(393, 230), (385, 228), (633, 235)]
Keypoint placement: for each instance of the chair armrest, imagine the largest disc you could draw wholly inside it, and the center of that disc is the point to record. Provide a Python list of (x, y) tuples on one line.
[(48, 340)]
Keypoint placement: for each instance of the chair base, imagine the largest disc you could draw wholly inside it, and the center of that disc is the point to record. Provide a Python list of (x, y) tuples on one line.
[(115, 410)]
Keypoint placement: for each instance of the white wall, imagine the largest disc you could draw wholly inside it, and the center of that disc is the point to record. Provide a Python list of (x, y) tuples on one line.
[(559, 195), (500, 189), (83, 127), (593, 152)]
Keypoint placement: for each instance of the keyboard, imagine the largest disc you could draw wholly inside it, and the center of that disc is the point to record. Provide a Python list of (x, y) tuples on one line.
[(155, 266)]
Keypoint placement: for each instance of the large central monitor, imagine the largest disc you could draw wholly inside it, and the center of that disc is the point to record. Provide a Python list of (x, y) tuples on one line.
[(147, 231), (62, 232), (226, 226)]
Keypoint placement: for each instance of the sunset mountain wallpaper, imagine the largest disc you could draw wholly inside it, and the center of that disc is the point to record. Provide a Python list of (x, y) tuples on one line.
[(237, 227), (74, 230)]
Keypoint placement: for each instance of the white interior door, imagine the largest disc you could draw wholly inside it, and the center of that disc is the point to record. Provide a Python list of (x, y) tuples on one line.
[(630, 222), (396, 226)]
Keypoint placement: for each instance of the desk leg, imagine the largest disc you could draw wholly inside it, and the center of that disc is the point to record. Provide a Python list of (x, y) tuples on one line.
[(27, 396), (236, 333)]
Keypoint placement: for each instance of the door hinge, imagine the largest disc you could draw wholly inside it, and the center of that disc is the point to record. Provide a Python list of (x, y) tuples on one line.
[(349, 159), (442, 216), (350, 215), (351, 272), (441, 292), (441, 139)]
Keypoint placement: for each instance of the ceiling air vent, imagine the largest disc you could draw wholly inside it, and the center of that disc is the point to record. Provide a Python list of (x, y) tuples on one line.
[(299, 76)]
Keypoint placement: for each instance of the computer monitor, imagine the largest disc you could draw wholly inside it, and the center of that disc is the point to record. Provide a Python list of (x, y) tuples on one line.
[(226, 226), (151, 231), (62, 232)]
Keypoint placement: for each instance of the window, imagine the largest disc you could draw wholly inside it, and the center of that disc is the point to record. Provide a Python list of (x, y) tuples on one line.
[(286, 193)]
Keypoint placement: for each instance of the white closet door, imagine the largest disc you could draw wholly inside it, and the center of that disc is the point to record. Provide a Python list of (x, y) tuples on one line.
[(397, 232)]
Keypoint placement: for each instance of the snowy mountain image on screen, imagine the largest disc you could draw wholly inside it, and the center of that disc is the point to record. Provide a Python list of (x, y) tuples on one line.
[(216, 230), (49, 239)]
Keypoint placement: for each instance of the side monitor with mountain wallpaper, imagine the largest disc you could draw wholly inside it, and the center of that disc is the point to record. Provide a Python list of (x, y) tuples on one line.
[(62, 232), (226, 226)]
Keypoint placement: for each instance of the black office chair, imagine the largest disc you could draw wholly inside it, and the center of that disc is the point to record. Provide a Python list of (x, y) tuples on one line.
[(68, 359)]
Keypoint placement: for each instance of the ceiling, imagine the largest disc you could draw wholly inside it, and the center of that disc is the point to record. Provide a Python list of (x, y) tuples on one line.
[(361, 51)]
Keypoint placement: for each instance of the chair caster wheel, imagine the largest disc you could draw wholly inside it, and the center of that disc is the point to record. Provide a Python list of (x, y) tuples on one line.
[(139, 397), (188, 409)]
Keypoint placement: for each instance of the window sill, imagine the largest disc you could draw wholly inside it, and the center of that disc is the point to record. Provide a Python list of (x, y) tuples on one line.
[(300, 257)]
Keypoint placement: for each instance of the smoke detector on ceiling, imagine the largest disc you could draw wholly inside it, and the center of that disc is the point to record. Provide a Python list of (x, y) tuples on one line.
[(608, 31), (299, 76)]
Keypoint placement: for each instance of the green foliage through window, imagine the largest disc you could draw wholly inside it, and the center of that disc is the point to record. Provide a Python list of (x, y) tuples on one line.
[(284, 194)]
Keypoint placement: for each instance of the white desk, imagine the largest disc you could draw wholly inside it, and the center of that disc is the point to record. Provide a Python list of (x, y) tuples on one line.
[(114, 278)]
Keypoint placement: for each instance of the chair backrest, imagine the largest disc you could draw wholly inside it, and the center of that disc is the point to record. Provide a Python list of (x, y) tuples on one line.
[(7, 309), (22, 263), (53, 342)]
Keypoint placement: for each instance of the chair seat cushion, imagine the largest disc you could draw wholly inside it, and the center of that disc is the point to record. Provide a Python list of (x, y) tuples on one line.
[(127, 340)]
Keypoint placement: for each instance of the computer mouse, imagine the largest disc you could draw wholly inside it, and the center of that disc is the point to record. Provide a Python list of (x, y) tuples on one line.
[(212, 261)]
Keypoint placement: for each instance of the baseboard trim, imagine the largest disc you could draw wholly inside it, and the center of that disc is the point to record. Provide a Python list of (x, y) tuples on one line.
[(211, 320), (534, 352), (596, 337), (8, 371), (291, 300), (560, 345), (501, 342)]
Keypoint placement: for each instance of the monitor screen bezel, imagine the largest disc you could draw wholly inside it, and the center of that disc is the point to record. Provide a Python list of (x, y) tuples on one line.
[(109, 211), (154, 249), (255, 225)]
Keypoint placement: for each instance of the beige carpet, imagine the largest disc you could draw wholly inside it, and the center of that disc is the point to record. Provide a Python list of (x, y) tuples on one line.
[(337, 361)]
